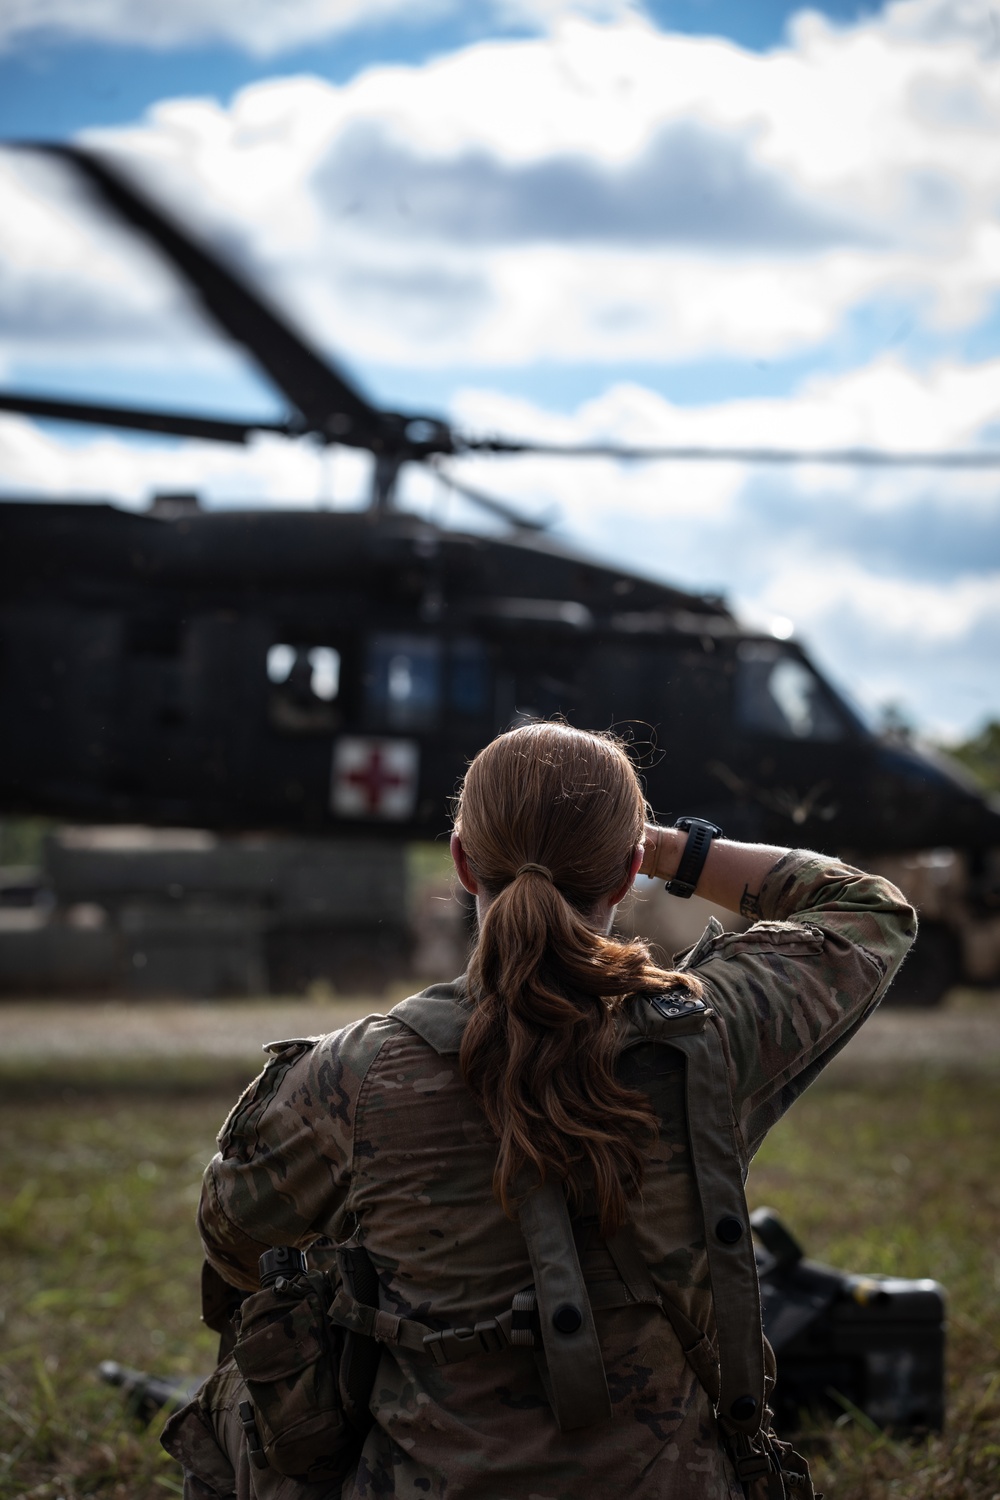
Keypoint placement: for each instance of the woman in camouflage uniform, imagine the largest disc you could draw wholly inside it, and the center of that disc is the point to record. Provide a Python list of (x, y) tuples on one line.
[(426, 1149)]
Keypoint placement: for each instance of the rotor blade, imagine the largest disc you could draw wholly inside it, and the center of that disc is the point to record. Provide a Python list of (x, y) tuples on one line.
[(496, 507), (861, 457), (329, 404), (217, 430)]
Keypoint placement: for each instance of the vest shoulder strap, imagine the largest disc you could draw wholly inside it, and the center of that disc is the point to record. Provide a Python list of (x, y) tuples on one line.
[(728, 1240), (578, 1385)]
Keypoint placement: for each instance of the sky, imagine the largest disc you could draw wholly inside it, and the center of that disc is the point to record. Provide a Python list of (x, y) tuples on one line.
[(703, 222)]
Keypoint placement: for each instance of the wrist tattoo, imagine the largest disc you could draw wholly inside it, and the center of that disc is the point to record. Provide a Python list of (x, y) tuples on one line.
[(750, 903)]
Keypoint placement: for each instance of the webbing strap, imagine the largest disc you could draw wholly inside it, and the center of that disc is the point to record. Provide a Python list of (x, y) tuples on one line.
[(631, 1267), (579, 1385), (694, 1342), (513, 1329), (384, 1327), (728, 1241)]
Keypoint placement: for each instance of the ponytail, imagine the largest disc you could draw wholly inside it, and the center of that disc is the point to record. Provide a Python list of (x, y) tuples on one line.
[(549, 818)]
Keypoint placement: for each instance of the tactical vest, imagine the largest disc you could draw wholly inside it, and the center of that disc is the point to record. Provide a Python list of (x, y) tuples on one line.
[(555, 1316)]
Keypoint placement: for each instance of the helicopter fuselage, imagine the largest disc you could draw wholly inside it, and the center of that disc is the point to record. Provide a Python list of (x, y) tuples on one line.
[(333, 672)]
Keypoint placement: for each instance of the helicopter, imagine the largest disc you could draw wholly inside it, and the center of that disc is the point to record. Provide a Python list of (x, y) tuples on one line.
[(331, 673)]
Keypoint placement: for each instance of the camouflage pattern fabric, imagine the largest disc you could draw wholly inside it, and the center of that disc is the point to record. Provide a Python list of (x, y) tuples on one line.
[(370, 1127)]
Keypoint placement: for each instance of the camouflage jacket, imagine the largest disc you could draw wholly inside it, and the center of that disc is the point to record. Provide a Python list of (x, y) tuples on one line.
[(369, 1126)]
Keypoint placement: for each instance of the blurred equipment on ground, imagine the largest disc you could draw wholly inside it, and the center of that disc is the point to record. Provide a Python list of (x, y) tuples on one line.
[(849, 1343), (145, 912), (148, 912)]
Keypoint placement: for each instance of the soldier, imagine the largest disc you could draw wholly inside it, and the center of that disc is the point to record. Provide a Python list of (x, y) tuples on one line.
[(432, 1135)]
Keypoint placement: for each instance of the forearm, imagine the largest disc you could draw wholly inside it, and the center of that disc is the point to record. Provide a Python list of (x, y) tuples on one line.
[(732, 875)]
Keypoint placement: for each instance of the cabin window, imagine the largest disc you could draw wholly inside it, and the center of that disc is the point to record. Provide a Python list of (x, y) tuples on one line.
[(310, 670), (305, 683), (778, 694)]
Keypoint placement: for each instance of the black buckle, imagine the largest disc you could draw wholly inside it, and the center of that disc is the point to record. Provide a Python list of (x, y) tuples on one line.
[(453, 1344)]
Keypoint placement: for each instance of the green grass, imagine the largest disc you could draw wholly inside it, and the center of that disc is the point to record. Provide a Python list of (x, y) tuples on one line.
[(98, 1258)]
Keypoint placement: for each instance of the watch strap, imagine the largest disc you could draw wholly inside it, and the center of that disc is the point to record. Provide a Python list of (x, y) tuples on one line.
[(700, 834)]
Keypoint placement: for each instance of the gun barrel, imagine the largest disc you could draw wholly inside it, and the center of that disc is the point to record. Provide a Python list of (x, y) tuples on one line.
[(147, 1395)]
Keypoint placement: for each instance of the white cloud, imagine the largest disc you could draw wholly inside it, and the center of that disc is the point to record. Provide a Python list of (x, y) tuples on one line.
[(651, 196), (53, 243), (882, 405), (930, 647), (35, 464), (975, 21), (909, 612)]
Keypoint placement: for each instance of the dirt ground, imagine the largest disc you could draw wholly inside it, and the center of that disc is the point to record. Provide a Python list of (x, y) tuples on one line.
[(963, 1034)]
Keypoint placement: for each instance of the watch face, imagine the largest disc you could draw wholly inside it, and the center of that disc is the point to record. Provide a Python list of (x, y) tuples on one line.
[(689, 824)]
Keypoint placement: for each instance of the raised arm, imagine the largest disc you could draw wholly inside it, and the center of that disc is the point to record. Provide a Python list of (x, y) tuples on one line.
[(732, 876), (793, 989)]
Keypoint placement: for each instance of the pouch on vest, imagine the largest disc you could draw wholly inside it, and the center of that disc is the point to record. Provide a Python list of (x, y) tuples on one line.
[(304, 1375)]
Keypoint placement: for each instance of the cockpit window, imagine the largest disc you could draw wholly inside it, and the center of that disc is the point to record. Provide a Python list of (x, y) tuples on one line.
[(776, 693)]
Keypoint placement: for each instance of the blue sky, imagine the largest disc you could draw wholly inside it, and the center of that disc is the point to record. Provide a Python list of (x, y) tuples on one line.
[(692, 222)]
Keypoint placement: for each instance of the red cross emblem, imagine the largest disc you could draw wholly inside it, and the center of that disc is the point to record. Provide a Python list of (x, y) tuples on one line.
[(374, 778)]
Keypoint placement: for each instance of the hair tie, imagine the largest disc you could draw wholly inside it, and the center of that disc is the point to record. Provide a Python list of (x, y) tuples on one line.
[(536, 870)]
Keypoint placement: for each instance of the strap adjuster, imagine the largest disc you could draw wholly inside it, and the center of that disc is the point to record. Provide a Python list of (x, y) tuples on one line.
[(254, 1447), (524, 1319)]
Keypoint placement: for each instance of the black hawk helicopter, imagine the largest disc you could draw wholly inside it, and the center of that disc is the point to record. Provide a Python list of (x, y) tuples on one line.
[(331, 673)]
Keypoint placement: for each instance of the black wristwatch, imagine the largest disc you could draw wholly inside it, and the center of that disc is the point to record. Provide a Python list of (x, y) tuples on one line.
[(700, 834)]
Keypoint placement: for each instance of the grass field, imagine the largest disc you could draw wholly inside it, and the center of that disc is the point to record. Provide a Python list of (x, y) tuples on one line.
[(98, 1258)]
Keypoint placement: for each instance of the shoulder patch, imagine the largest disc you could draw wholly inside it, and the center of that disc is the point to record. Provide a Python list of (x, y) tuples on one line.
[(662, 1018), (675, 1003)]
